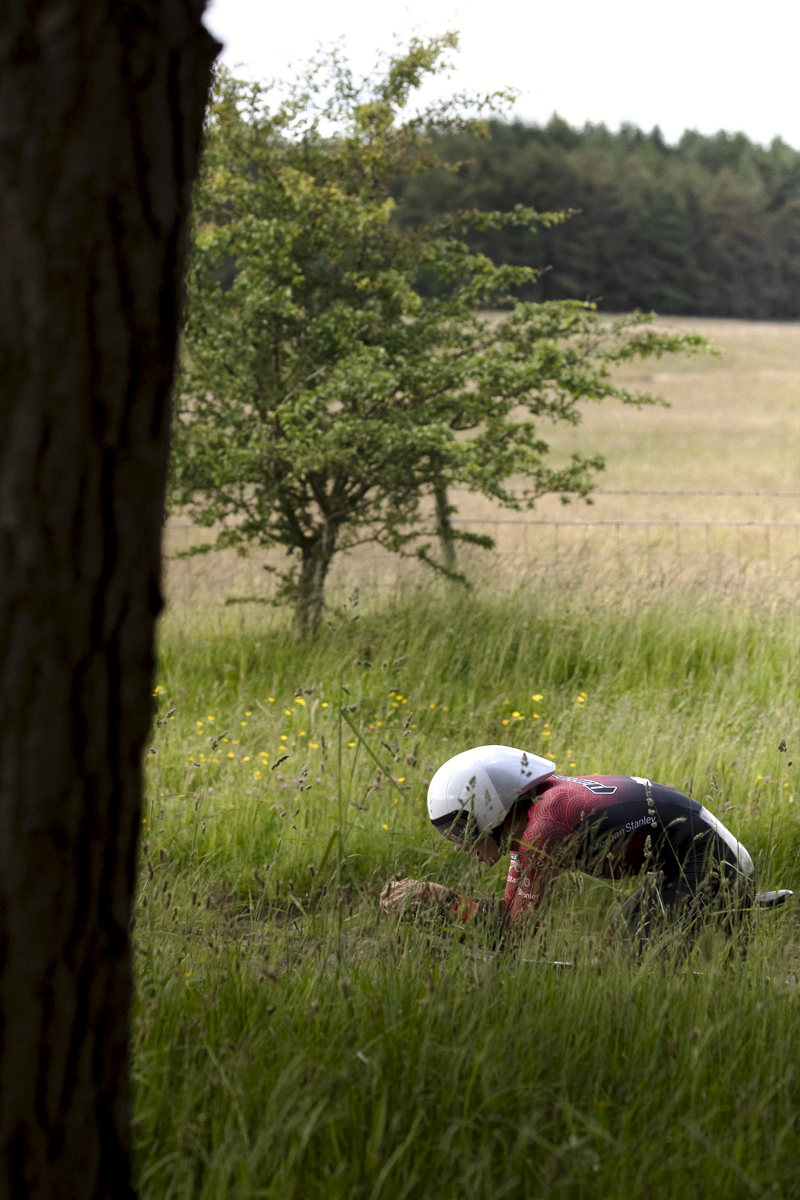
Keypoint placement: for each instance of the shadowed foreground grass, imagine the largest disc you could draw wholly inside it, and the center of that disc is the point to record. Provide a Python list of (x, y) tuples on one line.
[(292, 1042)]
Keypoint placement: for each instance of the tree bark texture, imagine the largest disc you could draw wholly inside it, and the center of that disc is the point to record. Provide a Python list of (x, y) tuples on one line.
[(101, 110), (316, 558), (444, 511)]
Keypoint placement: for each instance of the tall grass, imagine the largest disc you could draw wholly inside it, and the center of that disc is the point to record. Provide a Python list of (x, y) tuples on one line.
[(291, 1041)]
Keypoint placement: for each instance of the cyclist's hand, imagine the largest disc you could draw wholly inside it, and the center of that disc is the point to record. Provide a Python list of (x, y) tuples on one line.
[(399, 893)]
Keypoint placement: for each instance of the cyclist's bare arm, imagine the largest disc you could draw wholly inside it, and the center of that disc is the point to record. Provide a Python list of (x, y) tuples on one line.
[(401, 892)]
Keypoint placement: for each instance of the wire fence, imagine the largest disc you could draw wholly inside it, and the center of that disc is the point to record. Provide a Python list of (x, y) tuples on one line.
[(672, 492), (626, 521), (685, 546), (716, 553)]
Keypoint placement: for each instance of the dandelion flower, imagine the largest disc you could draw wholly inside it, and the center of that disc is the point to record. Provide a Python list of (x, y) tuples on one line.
[(504, 721), (431, 706), (385, 827), (256, 775), (212, 718), (246, 758), (300, 700), (231, 754), (537, 697), (271, 699), (351, 744), (283, 737), (243, 722), (313, 746), (302, 733), (248, 714), (324, 703), (288, 712)]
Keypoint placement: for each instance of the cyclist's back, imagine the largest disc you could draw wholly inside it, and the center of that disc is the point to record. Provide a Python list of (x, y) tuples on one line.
[(615, 825)]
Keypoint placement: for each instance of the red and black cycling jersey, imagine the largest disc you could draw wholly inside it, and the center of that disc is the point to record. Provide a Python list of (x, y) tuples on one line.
[(613, 825)]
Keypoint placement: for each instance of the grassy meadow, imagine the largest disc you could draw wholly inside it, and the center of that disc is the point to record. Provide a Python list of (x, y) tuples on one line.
[(291, 1041)]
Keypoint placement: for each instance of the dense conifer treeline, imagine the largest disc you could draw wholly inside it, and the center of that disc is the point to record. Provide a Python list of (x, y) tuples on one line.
[(707, 227)]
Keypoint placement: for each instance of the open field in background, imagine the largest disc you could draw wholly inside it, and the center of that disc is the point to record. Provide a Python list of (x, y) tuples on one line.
[(734, 426), (291, 1042)]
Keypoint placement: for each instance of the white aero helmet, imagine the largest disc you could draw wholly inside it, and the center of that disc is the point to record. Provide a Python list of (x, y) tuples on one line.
[(482, 784)]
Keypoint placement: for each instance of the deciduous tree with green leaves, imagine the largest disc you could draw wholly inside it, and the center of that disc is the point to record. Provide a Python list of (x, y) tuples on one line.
[(323, 401)]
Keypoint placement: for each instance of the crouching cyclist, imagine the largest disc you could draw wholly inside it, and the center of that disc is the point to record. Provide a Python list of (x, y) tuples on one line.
[(496, 799)]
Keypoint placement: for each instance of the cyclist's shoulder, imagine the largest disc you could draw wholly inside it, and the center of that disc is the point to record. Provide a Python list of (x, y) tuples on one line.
[(557, 786)]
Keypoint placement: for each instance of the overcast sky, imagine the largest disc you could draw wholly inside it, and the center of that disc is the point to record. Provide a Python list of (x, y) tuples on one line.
[(698, 64)]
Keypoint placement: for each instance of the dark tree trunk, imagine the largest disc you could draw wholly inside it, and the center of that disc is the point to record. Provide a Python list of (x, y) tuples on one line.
[(101, 109), (444, 527), (316, 558)]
